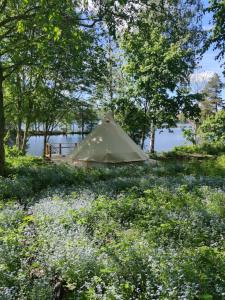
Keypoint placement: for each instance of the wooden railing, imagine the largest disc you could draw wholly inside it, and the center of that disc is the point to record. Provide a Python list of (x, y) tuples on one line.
[(56, 148)]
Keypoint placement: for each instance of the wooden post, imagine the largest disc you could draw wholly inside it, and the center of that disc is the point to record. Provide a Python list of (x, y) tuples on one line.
[(46, 150), (50, 151), (60, 149)]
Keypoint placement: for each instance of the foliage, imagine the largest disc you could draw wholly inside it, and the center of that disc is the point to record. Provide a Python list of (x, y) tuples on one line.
[(54, 56), (131, 234), (212, 94), (28, 175), (131, 116), (12, 151), (203, 148), (48, 50), (160, 56), (189, 135), (217, 37), (135, 232), (213, 128), (84, 114), (48, 96)]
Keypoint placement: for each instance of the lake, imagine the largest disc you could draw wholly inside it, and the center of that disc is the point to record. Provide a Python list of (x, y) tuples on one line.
[(164, 141)]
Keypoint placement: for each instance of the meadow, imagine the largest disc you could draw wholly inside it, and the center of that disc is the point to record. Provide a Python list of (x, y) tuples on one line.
[(134, 232)]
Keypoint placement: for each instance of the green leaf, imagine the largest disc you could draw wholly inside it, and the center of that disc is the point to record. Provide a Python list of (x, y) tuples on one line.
[(20, 26), (57, 33)]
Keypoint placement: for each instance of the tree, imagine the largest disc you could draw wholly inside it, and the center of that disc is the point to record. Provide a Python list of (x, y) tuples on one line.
[(21, 103), (217, 36), (213, 128), (130, 113), (40, 34), (212, 93), (85, 115), (190, 135), (49, 34), (45, 95), (22, 23), (161, 54), (108, 89)]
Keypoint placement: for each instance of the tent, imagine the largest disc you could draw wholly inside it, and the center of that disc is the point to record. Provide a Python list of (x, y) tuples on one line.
[(107, 144)]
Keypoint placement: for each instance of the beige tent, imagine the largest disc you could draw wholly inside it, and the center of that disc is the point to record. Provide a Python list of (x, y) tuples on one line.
[(107, 144)]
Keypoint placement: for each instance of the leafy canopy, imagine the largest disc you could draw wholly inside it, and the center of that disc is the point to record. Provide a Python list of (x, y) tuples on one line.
[(213, 128)]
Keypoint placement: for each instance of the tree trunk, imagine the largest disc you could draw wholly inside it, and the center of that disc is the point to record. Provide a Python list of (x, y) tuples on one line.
[(216, 107), (45, 139), (45, 143), (82, 124), (82, 131), (2, 124), (110, 67), (19, 135), (152, 139), (143, 135), (25, 135)]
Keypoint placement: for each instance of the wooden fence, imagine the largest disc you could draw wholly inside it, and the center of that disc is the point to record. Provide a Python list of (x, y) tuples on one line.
[(56, 149)]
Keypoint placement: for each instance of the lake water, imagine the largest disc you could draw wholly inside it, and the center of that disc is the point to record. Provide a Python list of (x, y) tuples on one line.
[(164, 141)]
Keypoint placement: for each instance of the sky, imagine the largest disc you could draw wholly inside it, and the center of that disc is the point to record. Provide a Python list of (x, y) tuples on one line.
[(209, 65)]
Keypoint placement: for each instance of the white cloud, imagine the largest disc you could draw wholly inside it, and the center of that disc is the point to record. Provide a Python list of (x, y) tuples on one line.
[(201, 76)]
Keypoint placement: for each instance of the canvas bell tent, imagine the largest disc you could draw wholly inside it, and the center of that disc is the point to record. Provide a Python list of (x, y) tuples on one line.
[(108, 144)]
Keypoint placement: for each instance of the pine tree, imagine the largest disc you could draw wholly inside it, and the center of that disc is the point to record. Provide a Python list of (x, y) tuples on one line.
[(212, 92)]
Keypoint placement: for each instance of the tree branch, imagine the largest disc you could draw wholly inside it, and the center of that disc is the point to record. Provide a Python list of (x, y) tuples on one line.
[(23, 16), (15, 67), (92, 24)]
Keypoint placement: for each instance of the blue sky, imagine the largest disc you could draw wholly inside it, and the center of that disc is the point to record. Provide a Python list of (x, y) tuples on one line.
[(209, 63)]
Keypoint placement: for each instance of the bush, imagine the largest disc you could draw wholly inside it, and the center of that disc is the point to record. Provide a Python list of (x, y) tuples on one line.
[(205, 148), (12, 151), (29, 176), (213, 128)]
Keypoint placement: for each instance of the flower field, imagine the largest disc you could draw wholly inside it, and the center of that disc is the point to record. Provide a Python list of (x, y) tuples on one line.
[(138, 232)]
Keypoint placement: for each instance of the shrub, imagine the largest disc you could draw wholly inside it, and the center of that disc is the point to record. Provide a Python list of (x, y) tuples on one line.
[(213, 128), (12, 151), (204, 148)]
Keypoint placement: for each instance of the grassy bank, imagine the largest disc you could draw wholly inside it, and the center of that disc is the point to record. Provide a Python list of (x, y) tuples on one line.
[(141, 232)]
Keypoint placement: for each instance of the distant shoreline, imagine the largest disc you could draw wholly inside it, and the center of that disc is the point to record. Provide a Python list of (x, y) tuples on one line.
[(61, 132), (57, 132)]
